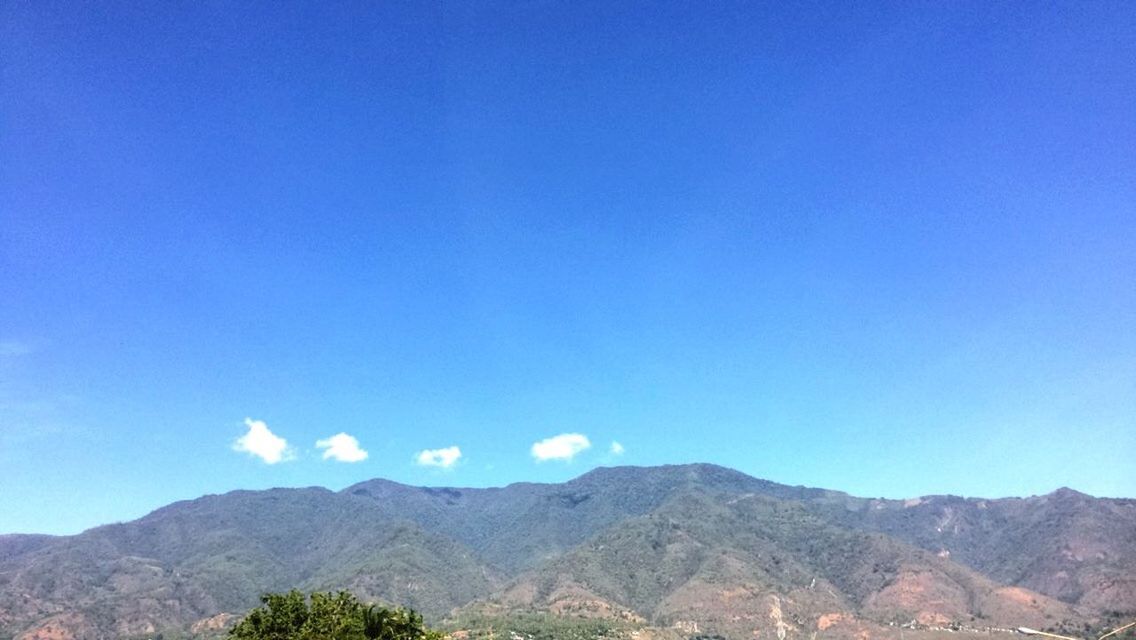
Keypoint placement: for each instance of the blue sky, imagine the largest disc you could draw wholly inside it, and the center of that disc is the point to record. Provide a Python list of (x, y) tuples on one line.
[(888, 249)]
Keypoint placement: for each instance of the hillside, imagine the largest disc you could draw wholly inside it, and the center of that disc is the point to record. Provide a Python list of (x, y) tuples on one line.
[(192, 560), (753, 565), (1067, 545), (694, 545)]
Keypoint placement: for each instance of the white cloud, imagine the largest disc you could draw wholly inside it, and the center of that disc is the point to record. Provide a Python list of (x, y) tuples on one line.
[(342, 447), (562, 447), (262, 443), (444, 458), (616, 448)]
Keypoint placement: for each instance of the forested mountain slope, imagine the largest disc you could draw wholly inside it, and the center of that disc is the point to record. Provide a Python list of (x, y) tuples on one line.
[(695, 544)]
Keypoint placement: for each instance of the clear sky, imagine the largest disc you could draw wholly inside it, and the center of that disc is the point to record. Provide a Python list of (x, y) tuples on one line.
[(883, 248)]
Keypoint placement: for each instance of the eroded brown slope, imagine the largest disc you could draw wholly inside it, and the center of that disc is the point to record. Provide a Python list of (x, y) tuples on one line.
[(754, 565)]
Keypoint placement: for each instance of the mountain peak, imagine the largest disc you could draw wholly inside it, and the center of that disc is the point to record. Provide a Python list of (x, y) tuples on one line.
[(693, 469), (1067, 493)]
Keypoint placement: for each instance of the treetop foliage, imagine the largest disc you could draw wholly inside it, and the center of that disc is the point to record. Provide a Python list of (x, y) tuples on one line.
[(328, 616)]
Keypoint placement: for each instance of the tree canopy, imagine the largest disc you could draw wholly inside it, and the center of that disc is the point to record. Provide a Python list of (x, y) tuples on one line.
[(328, 616)]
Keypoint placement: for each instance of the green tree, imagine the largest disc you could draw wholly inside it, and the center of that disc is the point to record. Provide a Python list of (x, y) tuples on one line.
[(328, 616), (282, 617), (395, 624), (376, 621)]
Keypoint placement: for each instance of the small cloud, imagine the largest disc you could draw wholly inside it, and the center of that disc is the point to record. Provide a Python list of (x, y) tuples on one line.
[(342, 447), (444, 458), (616, 448), (562, 447), (262, 443)]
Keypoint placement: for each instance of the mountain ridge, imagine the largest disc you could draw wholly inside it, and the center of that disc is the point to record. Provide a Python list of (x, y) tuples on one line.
[(445, 550), (1058, 490)]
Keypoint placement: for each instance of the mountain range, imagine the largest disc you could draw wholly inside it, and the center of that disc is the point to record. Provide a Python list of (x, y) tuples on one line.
[(670, 551)]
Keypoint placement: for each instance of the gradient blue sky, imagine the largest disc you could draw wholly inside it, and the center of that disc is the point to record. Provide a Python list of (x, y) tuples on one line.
[(888, 248)]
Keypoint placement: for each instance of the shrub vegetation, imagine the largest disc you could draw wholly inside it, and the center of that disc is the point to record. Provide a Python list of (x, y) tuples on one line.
[(328, 616)]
